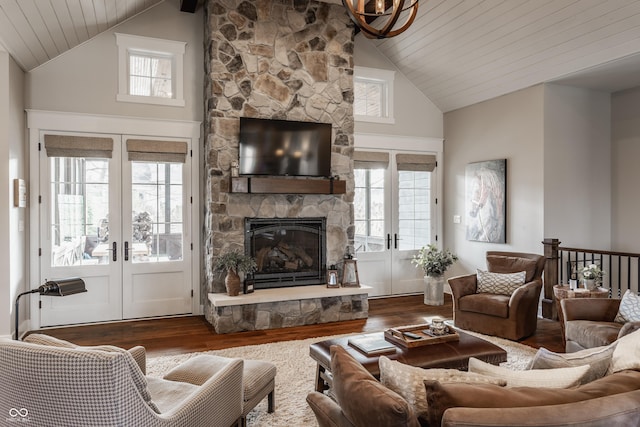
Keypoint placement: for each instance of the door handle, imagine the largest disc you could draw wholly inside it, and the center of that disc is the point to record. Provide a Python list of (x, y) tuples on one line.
[(126, 251), (115, 251), (395, 241), (388, 241)]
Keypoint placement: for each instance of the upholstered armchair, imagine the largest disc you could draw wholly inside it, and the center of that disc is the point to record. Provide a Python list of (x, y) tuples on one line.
[(61, 385), (509, 316), (590, 322)]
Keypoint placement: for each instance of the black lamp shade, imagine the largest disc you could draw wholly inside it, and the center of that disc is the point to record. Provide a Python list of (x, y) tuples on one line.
[(63, 287)]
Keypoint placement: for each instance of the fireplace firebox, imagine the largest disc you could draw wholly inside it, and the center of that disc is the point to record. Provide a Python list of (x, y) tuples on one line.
[(288, 251)]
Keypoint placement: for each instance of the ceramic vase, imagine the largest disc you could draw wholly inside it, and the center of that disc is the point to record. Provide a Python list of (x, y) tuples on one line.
[(589, 284), (232, 283), (434, 290)]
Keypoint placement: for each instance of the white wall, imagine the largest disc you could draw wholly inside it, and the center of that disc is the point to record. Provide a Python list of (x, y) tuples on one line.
[(625, 172), (510, 127), (577, 166), (415, 114), (85, 79), (12, 165)]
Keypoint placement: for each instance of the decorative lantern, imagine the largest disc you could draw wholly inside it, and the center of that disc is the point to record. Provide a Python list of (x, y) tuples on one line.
[(332, 277), (350, 272)]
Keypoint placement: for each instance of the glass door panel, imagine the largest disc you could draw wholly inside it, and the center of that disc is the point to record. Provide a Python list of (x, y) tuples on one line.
[(369, 210), (414, 210), (79, 211), (157, 217)]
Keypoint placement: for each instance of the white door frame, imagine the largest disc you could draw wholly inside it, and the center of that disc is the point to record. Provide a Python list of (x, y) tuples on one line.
[(38, 120), (364, 141)]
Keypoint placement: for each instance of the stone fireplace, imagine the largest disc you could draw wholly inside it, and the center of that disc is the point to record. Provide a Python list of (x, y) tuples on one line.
[(288, 251), (275, 59)]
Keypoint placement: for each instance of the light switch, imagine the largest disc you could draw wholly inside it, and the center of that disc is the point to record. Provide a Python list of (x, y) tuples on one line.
[(21, 225), (456, 219)]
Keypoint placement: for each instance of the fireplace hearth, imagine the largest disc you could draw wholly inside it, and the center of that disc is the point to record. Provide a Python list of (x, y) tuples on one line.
[(288, 251)]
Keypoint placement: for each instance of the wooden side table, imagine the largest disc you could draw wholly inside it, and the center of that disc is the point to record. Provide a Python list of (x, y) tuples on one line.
[(563, 291)]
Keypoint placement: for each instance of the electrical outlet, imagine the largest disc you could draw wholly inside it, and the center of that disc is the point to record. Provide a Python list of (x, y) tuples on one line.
[(457, 219)]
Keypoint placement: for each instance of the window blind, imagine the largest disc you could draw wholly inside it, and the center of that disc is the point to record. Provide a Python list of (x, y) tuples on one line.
[(157, 151), (78, 146), (416, 162), (370, 160)]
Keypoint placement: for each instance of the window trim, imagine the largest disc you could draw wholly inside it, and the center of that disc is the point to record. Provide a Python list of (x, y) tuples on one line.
[(146, 45), (386, 77)]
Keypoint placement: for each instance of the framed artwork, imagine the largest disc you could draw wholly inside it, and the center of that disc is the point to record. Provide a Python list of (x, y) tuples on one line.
[(486, 201)]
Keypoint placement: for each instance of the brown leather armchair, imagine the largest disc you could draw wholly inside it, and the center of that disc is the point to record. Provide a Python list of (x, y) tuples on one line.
[(589, 322), (513, 317)]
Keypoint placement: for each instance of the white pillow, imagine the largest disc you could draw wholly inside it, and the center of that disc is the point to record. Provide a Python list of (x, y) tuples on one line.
[(629, 310), (407, 381), (598, 359), (499, 283), (627, 353), (550, 378)]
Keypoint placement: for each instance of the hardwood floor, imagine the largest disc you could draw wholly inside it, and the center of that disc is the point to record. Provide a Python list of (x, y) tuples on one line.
[(178, 335)]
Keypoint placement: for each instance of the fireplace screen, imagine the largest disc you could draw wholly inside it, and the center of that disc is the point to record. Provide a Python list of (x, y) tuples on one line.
[(288, 252)]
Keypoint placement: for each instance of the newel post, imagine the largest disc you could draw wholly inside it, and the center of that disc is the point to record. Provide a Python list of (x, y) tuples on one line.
[(549, 309)]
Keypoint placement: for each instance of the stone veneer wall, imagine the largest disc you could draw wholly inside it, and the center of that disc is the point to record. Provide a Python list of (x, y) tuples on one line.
[(280, 59), (284, 314)]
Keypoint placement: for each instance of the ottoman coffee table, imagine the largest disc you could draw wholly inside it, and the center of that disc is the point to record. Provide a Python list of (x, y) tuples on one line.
[(450, 354)]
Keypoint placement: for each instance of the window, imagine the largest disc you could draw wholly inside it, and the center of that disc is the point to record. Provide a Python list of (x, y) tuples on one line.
[(373, 95), (150, 70)]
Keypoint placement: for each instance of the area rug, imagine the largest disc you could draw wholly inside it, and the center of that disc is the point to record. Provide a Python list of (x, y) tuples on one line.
[(296, 375)]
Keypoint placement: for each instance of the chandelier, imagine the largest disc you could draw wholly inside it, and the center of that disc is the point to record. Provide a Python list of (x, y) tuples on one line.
[(364, 12)]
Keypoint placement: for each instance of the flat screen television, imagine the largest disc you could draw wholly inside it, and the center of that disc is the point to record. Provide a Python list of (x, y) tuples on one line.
[(284, 148)]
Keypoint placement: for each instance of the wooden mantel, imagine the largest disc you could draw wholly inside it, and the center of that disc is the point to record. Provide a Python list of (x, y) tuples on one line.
[(285, 185)]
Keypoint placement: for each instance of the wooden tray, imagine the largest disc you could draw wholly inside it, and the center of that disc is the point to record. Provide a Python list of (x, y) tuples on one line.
[(395, 335)]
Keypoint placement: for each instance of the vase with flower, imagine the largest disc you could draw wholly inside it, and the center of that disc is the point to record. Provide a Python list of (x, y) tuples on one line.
[(591, 276), (434, 263)]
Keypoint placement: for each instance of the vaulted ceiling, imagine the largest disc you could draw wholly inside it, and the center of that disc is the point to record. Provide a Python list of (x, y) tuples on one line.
[(457, 52)]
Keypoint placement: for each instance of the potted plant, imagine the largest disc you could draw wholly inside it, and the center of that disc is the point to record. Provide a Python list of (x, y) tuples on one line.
[(234, 262), (591, 276), (434, 263)]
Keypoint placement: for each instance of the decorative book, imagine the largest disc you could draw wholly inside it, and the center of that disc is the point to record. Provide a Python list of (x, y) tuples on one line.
[(372, 345)]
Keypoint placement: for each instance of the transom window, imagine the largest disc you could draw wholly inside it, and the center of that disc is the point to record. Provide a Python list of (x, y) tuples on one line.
[(150, 70), (373, 95), (150, 75)]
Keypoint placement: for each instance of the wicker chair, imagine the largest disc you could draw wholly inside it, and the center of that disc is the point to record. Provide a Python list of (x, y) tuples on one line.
[(49, 382)]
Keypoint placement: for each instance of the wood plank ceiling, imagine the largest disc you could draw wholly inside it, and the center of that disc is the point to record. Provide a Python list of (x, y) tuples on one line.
[(460, 52), (35, 31), (457, 52)]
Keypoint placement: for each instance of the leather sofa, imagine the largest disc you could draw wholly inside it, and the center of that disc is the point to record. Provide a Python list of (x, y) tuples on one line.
[(589, 322), (513, 317), (363, 401)]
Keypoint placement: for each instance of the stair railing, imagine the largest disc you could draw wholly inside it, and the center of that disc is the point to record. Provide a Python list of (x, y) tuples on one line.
[(621, 270)]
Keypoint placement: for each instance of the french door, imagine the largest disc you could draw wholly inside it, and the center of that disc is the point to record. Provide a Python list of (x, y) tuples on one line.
[(115, 212), (394, 211)]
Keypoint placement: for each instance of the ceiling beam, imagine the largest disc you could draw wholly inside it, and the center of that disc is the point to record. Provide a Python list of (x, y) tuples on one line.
[(188, 5)]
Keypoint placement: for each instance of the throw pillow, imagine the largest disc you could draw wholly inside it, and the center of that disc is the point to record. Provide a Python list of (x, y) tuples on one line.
[(626, 354), (441, 397), (629, 310), (550, 378), (509, 264), (408, 381), (364, 401), (499, 283), (598, 360)]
